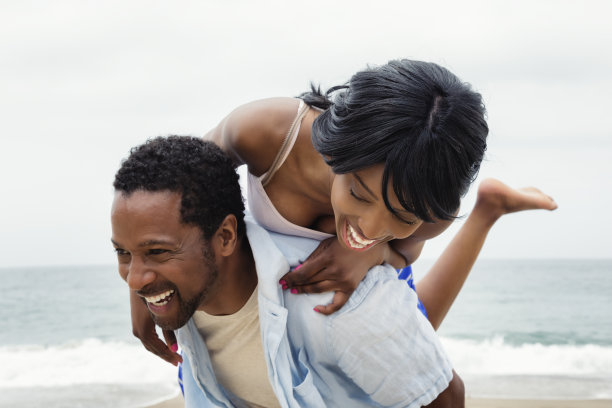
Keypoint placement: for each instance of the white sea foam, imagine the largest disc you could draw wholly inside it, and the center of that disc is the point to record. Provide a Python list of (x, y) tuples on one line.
[(95, 361), (492, 368), (495, 357), (489, 368), (91, 361)]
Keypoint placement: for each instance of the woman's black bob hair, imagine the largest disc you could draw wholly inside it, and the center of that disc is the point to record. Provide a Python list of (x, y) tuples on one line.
[(418, 119)]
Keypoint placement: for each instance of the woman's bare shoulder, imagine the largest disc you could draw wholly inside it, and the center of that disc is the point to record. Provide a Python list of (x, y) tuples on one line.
[(253, 133)]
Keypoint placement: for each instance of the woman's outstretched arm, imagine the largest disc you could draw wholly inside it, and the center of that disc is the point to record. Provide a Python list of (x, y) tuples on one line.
[(439, 288), (332, 267)]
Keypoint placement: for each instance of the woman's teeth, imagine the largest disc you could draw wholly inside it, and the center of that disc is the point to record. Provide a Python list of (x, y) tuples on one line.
[(161, 299), (356, 240)]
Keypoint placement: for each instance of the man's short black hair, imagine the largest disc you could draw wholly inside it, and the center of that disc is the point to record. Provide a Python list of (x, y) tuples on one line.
[(200, 171)]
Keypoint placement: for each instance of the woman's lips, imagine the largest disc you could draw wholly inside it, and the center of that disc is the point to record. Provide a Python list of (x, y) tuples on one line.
[(355, 240)]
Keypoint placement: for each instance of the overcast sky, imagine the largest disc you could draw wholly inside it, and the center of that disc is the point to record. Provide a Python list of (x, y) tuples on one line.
[(83, 81)]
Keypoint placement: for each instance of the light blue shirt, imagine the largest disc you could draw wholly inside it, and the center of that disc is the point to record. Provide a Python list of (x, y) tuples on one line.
[(378, 350)]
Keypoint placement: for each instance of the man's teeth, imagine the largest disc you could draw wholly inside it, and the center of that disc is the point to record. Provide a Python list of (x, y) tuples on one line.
[(356, 240), (161, 299)]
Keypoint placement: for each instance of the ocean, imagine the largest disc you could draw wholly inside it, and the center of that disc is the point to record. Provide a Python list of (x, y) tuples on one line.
[(519, 329), (66, 342), (534, 329)]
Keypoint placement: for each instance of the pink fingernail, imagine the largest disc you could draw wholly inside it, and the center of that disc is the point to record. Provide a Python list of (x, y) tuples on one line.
[(298, 267), (174, 347), (285, 287), (294, 291), (282, 282), (316, 310)]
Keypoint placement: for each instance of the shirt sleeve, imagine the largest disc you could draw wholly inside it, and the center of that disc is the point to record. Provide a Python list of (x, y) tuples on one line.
[(386, 346)]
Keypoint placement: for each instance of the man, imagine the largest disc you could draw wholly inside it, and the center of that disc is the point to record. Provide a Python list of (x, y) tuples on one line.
[(183, 246)]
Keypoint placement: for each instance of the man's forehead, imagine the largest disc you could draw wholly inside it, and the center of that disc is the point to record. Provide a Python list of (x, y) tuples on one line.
[(161, 208), (147, 200), (142, 216)]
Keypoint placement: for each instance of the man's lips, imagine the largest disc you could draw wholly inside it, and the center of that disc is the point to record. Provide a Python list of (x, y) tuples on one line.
[(159, 299)]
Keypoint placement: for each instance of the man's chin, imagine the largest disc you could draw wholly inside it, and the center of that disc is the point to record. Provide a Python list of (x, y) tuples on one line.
[(169, 324), (179, 314)]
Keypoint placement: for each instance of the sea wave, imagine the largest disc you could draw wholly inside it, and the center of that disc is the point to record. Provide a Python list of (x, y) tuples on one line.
[(493, 367), (90, 361), (494, 356)]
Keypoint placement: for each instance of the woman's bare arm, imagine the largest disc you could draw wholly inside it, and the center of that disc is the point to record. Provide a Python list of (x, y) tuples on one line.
[(441, 285), (253, 133)]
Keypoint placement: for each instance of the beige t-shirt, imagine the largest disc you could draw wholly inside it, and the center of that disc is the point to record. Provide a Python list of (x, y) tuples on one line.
[(236, 353)]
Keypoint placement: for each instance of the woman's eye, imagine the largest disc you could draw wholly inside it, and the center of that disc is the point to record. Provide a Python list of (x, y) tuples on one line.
[(121, 252), (157, 251), (409, 222), (356, 196), (406, 221)]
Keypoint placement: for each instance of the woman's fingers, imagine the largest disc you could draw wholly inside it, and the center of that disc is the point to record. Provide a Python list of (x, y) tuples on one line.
[(173, 345), (316, 287), (303, 274), (339, 300), (156, 346)]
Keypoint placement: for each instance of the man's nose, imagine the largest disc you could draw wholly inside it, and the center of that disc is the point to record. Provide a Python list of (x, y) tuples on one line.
[(139, 275)]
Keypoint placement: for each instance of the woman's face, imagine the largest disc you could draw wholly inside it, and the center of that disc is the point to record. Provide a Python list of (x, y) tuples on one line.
[(362, 218)]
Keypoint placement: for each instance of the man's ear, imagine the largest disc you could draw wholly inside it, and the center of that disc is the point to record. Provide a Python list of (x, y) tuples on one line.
[(225, 239)]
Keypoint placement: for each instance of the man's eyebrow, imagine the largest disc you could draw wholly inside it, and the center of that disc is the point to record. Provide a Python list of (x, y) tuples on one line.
[(366, 188), (148, 243), (152, 242)]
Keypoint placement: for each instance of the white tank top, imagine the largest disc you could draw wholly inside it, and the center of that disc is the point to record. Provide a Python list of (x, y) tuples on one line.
[(260, 205)]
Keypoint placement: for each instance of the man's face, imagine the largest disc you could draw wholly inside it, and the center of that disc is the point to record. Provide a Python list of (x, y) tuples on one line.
[(167, 263)]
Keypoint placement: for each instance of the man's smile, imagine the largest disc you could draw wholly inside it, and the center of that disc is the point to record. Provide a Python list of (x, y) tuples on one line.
[(161, 299)]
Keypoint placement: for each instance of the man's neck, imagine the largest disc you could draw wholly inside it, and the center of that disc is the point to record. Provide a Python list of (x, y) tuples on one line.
[(236, 283)]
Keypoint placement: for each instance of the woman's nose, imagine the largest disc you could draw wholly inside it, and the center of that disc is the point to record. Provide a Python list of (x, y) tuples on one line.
[(372, 226)]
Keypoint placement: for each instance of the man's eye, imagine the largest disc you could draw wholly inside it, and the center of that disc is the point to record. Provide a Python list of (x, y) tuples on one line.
[(121, 252), (157, 251)]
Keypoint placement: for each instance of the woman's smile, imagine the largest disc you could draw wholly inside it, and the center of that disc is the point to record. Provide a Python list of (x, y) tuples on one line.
[(355, 240)]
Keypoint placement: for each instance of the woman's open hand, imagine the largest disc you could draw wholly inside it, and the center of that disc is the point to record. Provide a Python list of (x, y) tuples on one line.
[(332, 267)]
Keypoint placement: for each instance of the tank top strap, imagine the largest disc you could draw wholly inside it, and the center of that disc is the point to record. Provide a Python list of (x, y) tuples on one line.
[(287, 145)]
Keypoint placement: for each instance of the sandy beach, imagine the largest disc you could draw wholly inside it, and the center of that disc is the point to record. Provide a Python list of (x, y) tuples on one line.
[(475, 403), (518, 403)]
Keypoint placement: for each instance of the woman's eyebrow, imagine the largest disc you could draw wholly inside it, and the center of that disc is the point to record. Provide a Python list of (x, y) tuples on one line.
[(402, 215), (365, 187)]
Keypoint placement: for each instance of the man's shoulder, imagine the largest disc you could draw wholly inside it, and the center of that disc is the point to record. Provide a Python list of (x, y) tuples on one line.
[(381, 299), (380, 341), (380, 282), (381, 303)]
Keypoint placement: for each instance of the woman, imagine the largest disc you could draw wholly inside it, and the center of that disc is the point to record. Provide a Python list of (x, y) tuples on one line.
[(373, 168)]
